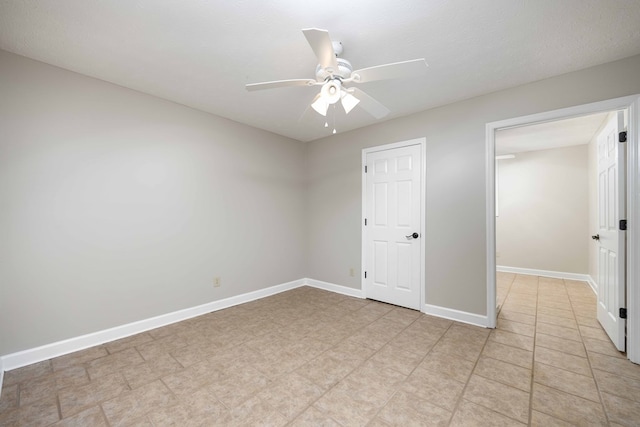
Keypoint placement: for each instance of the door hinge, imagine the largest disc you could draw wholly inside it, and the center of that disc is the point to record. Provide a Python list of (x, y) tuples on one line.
[(365, 221), (365, 168), (623, 224), (623, 313), (622, 136), (365, 274)]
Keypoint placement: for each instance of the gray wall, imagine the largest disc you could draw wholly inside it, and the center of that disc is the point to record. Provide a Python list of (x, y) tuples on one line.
[(455, 246), (116, 206), (543, 201)]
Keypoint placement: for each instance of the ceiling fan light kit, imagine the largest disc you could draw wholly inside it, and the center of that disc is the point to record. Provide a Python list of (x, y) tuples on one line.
[(348, 101), (331, 93), (333, 72)]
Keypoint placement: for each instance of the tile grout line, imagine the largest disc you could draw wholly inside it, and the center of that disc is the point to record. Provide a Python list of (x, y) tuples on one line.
[(533, 367), (604, 408), (575, 302), (104, 416), (412, 371), (351, 371), (566, 392), (425, 356), (59, 407), (466, 384), (491, 379), (533, 354), (461, 398)]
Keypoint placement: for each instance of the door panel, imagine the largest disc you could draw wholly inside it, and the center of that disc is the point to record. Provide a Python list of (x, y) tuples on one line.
[(380, 275), (612, 244), (393, 212), (380, 202)]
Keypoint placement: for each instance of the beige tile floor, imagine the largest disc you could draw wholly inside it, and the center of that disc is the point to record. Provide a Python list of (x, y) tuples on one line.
[(310, 357)]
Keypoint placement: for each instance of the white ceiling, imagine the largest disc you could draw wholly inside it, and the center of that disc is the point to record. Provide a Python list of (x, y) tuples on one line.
[(202, 53), (545, 136)]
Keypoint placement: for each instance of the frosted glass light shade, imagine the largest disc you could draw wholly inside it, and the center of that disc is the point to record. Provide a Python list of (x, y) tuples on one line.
[(348, 101), (321, 106)]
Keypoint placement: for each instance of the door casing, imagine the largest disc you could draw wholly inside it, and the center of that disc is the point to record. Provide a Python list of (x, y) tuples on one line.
[(422, 142), (632, 103)]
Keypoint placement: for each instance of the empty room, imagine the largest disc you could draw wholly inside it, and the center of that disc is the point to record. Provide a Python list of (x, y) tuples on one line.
[(332, 213)]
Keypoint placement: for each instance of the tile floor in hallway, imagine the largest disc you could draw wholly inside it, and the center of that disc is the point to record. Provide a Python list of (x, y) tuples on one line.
[(311, 357)]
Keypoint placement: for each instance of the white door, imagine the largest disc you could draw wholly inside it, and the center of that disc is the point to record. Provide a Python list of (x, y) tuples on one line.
[(610, 239), (393, 231)]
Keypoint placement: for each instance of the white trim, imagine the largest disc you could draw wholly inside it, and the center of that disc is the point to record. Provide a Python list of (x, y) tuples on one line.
[(554, 274), (339, 289), (1, 375), (633, 202), (422, 142), (490, 179), (593, 284), (633, 233), (363, 233), (457, 315), (45, 352), (544, 273)]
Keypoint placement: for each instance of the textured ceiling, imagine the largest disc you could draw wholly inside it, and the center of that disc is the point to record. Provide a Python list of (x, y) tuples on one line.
[(544, 136), (202, 53)]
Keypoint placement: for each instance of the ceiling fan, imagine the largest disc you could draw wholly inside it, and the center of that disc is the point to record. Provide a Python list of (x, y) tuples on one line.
[(333, 72)]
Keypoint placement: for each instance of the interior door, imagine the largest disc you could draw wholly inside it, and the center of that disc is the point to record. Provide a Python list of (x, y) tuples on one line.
[(610, 238), (393, 225)]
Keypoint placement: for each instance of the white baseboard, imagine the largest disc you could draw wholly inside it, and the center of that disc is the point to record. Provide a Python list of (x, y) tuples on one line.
[(457, 315), (334, 288), (45, 352), (447, 313), (593, 284), (49, 351), (554, 274), (544, 273)]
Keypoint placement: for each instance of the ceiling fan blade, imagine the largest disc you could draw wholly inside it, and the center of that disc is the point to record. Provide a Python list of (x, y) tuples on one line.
[(323, 48), (395, 70), (369, 104), (280, 83)]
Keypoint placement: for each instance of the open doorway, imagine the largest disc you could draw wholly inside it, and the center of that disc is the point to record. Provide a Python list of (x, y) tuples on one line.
[(633, 300), (546, 186)]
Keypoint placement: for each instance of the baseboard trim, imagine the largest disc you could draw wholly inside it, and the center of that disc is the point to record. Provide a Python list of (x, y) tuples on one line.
[(593, 284), (544, 273), (49, 351), (45, 352), (332, 287), (457, 315)]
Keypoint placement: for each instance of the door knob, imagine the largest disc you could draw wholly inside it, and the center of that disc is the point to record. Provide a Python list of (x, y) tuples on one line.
[(414, 235), (596, 237)]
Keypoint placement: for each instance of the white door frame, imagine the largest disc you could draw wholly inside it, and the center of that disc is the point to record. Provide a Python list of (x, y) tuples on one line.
[(632, 103), (422, 142)]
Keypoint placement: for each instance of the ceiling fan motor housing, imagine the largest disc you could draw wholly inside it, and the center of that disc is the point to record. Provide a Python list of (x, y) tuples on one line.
[(343, 72)]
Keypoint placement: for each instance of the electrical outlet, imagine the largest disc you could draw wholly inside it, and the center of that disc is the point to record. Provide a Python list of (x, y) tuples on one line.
[(216, 282), (352, 272), (497, 254)]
